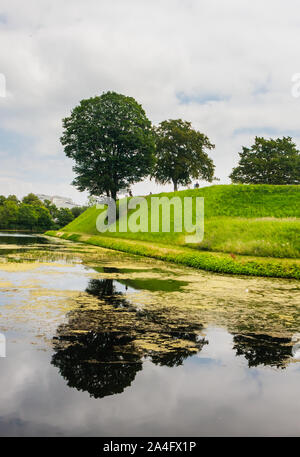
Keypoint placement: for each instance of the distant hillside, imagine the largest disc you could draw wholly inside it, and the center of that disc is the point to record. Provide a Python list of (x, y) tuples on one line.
[(261, 220)]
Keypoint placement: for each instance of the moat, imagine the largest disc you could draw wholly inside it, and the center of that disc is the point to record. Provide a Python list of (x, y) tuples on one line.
[(103, 343)]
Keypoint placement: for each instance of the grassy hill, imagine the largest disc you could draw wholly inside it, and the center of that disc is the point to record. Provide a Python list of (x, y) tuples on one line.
[(251, 220), (240, 220)]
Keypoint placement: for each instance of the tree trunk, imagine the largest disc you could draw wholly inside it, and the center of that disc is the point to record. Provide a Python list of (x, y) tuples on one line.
[(113, 194), (175, 186)]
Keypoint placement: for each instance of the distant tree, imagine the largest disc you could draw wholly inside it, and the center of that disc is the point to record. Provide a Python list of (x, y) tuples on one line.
[(47, 203), (9, 214), (91, 201), (32, 199), (2, 218), (77, 210), (27, 216), (180, 154), (111, 141), (30, 214), (268, 161), (52, 208), (64, 217), (12, 198), (44, 219)]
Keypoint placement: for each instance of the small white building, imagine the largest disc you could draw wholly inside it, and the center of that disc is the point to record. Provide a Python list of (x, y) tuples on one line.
[(60, 202)]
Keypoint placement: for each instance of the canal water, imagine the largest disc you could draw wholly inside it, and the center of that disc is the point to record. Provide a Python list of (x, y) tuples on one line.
[(101, 343)]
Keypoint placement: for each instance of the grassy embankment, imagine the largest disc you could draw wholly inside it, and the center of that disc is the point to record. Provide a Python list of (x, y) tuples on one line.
[(249, 229)]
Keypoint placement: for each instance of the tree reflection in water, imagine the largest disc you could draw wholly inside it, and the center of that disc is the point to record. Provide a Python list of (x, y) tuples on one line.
[(263, 349), (101, 350), (100, 363)]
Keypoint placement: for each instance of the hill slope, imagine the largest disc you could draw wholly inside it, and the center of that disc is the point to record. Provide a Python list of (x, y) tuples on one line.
[(260, 220), (251, 230)]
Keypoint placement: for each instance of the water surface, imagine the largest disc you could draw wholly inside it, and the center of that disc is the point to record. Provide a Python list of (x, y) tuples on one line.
[(104, 343)]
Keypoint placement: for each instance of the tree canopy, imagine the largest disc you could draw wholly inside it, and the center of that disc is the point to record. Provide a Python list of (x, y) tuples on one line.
[(64, 216), (181, 155), (111, 141), (32, 199), (33, 214), (268, 161)]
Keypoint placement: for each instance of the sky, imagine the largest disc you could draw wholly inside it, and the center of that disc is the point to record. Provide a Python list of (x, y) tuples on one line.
[(227, 67)]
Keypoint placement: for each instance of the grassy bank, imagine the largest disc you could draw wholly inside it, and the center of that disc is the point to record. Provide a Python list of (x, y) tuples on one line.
[(253, 220), (249, 229), (210, 261)]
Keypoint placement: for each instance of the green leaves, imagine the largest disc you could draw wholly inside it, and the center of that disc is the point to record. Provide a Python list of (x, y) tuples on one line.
[(180, 154), (111, 141), (64, 217), (32, 214), (268, 162)]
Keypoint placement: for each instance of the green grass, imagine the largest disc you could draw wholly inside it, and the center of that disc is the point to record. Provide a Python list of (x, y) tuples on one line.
[(259, 237), (259, 220), (210, 261), (249, 229)]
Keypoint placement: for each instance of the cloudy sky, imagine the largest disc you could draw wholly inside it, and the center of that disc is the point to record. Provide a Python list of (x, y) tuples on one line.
[(225, 66)]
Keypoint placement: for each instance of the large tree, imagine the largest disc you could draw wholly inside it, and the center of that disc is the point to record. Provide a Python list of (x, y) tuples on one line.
[(111, 141), (268, 161), (181, 155)]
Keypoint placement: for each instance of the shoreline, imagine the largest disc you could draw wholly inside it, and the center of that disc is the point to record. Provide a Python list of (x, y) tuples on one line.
[(215, 262)]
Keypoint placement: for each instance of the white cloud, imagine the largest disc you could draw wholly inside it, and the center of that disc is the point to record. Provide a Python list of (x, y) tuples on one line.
[(53, 54)]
